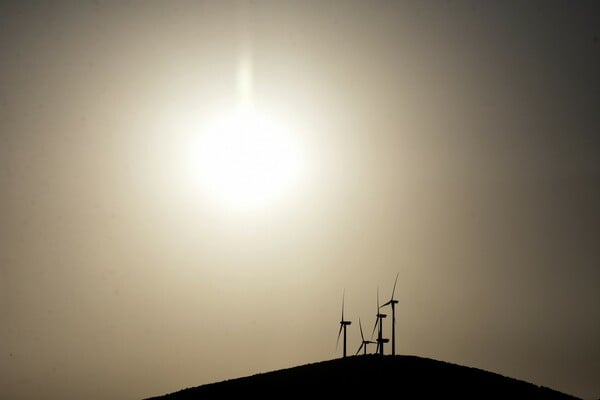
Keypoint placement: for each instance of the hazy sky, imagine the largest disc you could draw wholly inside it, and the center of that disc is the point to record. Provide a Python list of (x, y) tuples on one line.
[(456, 143)]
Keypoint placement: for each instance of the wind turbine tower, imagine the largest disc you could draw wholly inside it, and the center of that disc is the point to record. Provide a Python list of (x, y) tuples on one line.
[(393, 303), (380, 317), (343, 325)]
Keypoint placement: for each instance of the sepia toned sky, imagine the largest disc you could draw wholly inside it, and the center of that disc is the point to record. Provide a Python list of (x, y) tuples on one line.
[(455, 143)]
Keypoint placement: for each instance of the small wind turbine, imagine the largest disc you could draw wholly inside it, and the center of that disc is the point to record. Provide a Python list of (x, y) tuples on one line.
[(380, 317), (364, 343), (393, 303), (343, 325)]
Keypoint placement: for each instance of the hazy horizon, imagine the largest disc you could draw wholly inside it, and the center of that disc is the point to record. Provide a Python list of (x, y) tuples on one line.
[(455, 143)]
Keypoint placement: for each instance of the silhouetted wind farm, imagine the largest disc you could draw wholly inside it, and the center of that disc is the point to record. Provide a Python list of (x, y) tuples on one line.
[(422, 377), (379, 317)]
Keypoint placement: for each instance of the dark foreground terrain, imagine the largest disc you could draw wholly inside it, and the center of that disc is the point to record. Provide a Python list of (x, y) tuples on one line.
[(371, 375)]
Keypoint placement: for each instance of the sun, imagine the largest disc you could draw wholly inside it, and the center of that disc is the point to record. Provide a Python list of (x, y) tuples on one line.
[(246, 159)]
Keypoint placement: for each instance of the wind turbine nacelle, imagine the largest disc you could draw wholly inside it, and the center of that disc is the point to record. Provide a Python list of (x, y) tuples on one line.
[(381, 315)]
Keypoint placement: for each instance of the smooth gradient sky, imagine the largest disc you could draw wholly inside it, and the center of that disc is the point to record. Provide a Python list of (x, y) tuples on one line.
[(456, 143)]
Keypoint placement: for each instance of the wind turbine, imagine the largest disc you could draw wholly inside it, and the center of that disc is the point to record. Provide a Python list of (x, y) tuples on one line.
[(380, 317), (343, 325), (364, 343), (393, 303)]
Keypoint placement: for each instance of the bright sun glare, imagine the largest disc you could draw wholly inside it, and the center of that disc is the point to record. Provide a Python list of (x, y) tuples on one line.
[(246, 159)]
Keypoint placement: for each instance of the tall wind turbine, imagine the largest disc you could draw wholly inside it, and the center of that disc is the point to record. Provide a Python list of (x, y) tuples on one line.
[(343, 325), (393, 303), (380, 317), (364, 343)]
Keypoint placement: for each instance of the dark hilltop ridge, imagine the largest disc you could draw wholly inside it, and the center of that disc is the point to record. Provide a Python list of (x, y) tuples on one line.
[(373, 375)]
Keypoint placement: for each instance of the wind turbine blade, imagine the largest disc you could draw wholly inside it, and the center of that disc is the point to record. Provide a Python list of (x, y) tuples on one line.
[(360, 348), (375, 327), (361, 331), (377, 298), (385, 304), (395, 281), (338, 338), (343, 298)]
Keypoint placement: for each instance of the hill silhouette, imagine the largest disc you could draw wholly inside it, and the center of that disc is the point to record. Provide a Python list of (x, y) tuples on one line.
[(373, 375)]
